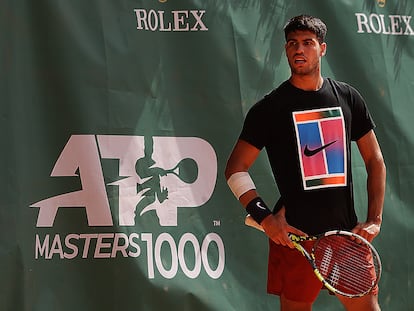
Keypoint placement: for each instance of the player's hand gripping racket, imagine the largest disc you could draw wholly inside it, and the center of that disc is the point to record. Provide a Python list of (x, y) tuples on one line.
[(346, 263)]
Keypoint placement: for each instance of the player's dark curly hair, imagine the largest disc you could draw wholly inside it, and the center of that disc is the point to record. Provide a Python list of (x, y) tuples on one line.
[(307, 22)]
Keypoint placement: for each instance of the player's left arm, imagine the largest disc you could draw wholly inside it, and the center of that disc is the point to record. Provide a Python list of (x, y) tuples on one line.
[(376, 174)]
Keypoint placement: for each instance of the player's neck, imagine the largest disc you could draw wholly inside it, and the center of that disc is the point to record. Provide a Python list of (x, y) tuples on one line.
[(306, 83)]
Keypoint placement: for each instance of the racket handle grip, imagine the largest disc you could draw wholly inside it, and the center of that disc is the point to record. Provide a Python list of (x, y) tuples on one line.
[(249, 221)]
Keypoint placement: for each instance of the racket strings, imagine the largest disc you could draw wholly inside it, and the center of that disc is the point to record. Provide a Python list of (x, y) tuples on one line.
[(347, 265)]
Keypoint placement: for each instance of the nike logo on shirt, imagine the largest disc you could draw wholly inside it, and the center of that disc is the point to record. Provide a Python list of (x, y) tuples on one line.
[(311, 152)]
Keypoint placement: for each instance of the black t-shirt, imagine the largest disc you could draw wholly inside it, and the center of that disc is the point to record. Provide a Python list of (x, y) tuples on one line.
[(307, 136)]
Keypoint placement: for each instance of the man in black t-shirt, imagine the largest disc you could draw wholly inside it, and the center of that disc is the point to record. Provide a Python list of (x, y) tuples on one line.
[(306, 126)]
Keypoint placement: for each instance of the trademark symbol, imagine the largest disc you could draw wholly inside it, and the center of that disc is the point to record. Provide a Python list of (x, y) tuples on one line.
[(216, 223)]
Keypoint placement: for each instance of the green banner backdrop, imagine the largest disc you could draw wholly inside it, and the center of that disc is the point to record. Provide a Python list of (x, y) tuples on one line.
[(117, 118)]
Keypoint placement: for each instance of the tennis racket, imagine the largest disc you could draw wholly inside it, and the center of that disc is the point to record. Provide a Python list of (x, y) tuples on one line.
[(345, 263), (186, 170)]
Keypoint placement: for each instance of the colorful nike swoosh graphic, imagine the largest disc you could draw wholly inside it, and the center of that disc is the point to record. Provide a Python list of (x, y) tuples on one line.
[(308, 152), (321, 146)]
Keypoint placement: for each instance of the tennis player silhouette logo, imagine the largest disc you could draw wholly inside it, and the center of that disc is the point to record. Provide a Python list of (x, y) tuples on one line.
[(151, 190)]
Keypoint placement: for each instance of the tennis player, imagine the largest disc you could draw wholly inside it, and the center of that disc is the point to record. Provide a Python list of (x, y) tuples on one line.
[(306, 126)]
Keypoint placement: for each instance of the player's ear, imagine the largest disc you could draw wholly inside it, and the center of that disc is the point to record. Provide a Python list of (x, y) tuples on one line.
[(323, 48)]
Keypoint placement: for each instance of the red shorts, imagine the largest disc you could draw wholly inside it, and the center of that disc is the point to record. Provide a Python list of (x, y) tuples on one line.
[(290, 274)]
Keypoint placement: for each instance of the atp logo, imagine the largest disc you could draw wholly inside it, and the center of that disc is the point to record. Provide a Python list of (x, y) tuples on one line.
[(156, 174)]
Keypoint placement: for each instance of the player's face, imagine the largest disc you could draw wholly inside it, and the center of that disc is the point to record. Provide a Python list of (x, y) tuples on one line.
[(304, 52)]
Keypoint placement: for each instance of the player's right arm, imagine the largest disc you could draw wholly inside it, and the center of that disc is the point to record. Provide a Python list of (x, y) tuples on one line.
[(241, 159)]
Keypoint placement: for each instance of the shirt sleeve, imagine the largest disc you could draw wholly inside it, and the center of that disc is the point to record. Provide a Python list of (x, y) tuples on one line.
[(362, 121), (253, 130)]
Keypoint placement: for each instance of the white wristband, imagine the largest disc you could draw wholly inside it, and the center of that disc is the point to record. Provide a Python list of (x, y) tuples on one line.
[(239, 183)]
